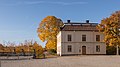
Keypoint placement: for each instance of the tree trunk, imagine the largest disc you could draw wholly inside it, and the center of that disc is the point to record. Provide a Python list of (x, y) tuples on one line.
[(117, 50)]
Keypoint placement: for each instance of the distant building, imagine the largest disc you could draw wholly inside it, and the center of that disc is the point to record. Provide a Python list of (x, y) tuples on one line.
[(80, 38)]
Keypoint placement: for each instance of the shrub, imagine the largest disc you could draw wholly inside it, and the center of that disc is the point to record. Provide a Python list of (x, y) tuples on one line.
[(52, 51), (111, 50)]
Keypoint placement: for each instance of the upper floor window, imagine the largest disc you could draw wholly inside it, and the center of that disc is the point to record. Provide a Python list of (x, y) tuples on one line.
[(83, 37), (97, 37), (98, 48), (69, 37), (69, 48)]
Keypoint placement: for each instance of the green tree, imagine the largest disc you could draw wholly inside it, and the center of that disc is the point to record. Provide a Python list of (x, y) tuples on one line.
[(48, 30), (110, 27)]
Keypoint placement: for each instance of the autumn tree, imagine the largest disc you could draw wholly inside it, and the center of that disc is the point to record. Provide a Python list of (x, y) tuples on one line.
[(25, 46), (38, 49), (1, 48), (48, 30), (18, 49), (9, 46), (110, 26)]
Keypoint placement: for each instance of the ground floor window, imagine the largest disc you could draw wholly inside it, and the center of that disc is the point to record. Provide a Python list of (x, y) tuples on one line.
[(98, 48), (69, 48)]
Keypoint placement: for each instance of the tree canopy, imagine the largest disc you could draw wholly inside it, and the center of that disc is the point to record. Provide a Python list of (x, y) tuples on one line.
[(110, 27), (48, 30), (28, 47)]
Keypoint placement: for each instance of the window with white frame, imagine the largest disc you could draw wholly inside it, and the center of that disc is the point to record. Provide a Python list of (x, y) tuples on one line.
[(97, 37), (98, 48), (83, 37), (69, 48), (69, 37)]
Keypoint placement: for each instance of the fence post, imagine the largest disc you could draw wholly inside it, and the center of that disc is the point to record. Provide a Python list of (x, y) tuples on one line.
[(14, 50), (34, 54), (23, 52), (7, 55), (0, 63), (18, 56), (117, 49)]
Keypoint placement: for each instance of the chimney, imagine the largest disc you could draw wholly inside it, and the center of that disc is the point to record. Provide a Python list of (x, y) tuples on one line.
[(87, 21), (68, 21)]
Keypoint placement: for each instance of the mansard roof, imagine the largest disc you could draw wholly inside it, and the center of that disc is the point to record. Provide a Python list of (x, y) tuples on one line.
[(79, 27)]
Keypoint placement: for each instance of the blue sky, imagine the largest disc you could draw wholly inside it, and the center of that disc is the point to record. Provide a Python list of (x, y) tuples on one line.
[(19, 19)]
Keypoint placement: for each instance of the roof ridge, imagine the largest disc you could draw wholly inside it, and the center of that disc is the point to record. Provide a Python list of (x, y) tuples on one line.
[(79, 27)]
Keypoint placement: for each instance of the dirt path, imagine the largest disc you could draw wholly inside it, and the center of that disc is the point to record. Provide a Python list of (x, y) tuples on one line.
[(67, 61)]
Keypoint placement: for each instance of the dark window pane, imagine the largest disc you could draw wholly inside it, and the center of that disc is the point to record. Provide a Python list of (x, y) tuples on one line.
[(83, 37), (69, 48), (97, 37), (69, 38), (98, 48)]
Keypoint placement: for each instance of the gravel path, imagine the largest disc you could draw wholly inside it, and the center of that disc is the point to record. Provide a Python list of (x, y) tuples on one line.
[(66, 61)]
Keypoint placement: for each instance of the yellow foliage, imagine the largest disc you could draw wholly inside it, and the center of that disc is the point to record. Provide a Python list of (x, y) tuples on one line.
[(38, 48), (18, 49), (110, 27), (48, 30), (1, 48)]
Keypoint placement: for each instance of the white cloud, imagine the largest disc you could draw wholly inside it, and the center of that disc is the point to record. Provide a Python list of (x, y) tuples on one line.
[(34, 2), (43, 2), (56, 3)]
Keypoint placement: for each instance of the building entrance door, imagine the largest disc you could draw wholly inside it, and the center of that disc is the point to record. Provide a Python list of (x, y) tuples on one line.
[(83, 50)]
